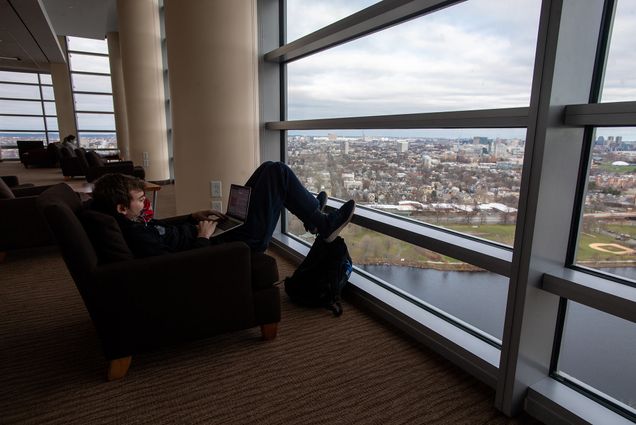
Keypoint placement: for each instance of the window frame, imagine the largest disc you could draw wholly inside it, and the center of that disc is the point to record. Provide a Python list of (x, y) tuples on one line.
[(39, 84), (537, 287), (76, 111)]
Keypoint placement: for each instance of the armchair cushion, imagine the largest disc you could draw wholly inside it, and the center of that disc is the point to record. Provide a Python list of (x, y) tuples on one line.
[(5, 192), (105, 236), (94, 160)]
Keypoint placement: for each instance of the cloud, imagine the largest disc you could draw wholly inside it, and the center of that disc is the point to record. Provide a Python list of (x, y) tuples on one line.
[(462, 57)]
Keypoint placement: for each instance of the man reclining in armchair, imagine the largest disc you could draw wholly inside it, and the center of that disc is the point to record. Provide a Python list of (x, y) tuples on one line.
[(273, 186)]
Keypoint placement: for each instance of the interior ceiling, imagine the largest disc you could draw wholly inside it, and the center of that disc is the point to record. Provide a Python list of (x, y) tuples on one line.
[(28, 29)]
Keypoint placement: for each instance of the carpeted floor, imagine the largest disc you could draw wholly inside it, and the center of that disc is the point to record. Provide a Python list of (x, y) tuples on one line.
[(319, 370)]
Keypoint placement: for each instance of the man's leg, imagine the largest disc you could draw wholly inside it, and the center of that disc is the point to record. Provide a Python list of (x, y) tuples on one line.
[(274, 186)]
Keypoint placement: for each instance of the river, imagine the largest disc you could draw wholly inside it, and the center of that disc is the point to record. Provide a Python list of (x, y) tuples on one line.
[(598, 349)]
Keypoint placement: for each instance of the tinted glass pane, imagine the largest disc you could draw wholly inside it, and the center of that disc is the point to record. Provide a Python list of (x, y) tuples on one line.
[(95, 121), (7, 153), (475, 55), (88, 63), (307, 16), (91, 83), (598, 350), (620, 79), (54, 137), (51, 123), (47, 93), (87, 45), (49, 108), (21, 123), (46, 79), (20, 107), (607, 237), (463, 293), (98, 140), (18, 77), (93, 102), (16, 91), (464, 180)]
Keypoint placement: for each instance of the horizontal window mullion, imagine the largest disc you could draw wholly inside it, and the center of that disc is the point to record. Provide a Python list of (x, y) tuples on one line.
[(25, 115), (489, 118), (485, 255), (22, 99), (601, 114), (97, 93), (372, 19), (611, 297), (79, 52), (82, 111), (86, 130), (104, 74)]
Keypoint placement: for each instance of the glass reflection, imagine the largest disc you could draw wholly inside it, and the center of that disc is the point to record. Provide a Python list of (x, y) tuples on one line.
[(598, 352)]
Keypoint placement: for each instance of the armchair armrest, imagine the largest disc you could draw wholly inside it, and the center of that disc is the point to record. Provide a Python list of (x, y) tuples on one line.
[(28, 191), (21, 224)]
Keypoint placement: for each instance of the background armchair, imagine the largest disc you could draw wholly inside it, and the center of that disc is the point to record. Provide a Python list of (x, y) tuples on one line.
[(97, 167), (139, 304), (71, 164), (21, 224)]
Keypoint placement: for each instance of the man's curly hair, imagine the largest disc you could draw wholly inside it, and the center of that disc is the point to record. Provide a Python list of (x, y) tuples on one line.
[(113, 189)]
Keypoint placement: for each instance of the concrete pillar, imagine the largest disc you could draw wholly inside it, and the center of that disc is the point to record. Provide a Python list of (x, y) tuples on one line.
[(140, 44), (62, 89), (119, 94), (212, 62)]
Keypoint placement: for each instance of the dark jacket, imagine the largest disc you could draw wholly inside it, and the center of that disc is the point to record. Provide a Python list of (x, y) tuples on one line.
[(156, 237)]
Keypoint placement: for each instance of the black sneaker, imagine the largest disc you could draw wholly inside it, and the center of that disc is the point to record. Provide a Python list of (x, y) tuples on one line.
[(337, 220), (322, 202)]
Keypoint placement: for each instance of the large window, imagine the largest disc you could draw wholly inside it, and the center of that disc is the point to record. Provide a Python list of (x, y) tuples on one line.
[(27, 110), (92, 93), (491, 149)]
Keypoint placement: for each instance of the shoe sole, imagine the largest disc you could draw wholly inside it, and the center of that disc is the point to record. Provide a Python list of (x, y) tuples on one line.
[(336, 232), (314, 231)]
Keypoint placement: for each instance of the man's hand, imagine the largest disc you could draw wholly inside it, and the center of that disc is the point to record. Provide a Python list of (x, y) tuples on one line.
[(205, 228), (207, 215)]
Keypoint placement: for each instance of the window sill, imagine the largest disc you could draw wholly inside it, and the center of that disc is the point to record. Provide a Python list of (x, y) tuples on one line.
[(553, 402), (602, 294)]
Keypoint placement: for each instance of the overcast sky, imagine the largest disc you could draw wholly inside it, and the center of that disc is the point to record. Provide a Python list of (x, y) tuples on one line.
[(476, 55)]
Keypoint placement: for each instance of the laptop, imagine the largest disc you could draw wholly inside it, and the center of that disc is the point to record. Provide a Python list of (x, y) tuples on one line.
[(237, 206)]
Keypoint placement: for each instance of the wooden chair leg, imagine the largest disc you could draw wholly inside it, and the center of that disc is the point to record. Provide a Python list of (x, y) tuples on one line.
[(3, 256), (118, 368), (269, 331)]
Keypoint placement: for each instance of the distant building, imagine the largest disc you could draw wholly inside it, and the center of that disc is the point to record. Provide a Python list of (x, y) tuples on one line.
[(403, 146)]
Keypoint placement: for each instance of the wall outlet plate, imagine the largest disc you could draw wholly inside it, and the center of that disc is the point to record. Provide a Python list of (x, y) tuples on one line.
[(217, 205), (215, 188)]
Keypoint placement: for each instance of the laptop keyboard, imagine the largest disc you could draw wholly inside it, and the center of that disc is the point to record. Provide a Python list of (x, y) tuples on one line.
[(225, 224)]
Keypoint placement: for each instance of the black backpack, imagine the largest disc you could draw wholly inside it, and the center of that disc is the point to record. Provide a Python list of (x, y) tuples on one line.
[(320, 278)]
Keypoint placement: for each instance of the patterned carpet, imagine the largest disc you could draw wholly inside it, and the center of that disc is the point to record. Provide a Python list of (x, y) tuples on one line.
[(318, 370)]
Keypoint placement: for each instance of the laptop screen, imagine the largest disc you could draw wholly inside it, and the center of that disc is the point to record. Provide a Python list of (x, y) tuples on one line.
[(239, 202)]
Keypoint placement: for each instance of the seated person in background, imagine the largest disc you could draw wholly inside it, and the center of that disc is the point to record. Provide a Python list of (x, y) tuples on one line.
[(70, 142), (274, 186)]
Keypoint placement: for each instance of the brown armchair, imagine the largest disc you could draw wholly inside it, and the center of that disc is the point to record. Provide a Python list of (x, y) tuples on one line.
[(97, 167), (21, 224), (140, 304), (72, 165)]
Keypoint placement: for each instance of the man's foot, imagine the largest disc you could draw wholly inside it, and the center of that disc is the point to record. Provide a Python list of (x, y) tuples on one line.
[(322, 202), (336, 221)]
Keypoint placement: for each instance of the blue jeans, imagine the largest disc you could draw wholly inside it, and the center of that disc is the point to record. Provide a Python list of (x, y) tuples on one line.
[(274, 186)]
